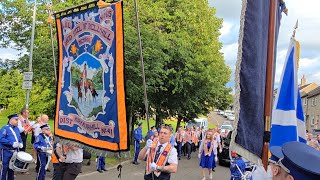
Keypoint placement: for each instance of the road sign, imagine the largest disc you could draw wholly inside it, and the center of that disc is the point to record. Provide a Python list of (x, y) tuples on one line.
[(27, 76), (26, 84)]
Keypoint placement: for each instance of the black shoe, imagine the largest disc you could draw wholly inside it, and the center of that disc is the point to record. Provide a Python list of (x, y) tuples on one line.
[(48, 170), (104, 170), (136, 163), (89, 163), (179, 158), (213, 170), (189, 157), (100, 171)]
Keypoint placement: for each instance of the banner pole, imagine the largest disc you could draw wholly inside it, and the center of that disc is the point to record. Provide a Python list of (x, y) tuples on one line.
[(142, 64), (143, 74), (269, 82), (52, 44)]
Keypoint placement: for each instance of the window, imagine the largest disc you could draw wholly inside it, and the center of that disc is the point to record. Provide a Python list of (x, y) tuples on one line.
[(305, 101), (313, 101)]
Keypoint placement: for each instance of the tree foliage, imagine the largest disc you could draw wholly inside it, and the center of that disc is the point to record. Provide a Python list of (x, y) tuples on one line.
[(184, 68)]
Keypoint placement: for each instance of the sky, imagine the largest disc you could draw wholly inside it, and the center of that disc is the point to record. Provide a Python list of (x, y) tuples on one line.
[(307, 33)]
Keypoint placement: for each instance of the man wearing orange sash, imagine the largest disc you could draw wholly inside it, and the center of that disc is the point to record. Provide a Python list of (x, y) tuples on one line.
[(161, 156)]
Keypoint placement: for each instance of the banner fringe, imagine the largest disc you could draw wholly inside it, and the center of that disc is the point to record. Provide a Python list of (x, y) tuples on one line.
[(233, 145), (91, 150)]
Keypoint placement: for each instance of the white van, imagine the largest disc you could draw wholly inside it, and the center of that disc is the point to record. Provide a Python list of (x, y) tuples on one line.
[(201, 122)]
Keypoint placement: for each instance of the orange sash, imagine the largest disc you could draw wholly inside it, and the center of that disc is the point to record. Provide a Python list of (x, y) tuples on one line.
[(179, 137), (162, 159)]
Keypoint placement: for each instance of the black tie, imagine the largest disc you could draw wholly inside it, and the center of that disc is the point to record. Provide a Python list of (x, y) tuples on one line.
[(157, 153)]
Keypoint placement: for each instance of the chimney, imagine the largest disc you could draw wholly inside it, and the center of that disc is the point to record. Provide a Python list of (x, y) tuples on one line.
[(303, 81)]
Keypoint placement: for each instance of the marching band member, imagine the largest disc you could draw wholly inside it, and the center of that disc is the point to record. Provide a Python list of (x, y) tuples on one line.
[(101, 164), (137, 140), (236, 166), (161, 157), (42, 144), (10, 141), (188, 142)]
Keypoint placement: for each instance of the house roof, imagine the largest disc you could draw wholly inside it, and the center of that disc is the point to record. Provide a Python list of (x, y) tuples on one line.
[(304, 86), (314, 92)]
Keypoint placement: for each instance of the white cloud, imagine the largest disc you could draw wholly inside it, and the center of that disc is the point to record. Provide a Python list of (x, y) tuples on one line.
[(307, 33), (8, 53), (226, 28)]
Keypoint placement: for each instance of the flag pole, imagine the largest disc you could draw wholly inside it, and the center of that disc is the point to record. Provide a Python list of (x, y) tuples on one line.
[(269, 82)]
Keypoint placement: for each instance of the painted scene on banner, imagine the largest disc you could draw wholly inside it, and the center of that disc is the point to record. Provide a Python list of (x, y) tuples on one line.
[(88, 85)]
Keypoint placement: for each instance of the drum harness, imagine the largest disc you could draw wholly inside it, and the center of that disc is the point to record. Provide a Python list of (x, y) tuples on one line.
[(50, 145), (15, 137)]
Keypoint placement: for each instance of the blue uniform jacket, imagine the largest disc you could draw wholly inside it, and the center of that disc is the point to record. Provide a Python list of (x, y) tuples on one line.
[(41, 142), (149, 135), (7, 138), (137, 134), (234, 170)]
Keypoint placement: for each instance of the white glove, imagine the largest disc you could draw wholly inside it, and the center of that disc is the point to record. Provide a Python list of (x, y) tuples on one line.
[(20, 145), (153, 166), (175, 144), (149, 143), (220, 150), (199, 155), (15, 144), (216, 159)]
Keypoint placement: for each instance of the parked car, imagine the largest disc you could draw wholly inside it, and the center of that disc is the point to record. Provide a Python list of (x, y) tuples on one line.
[(231, 117), (225, 127), (224, 158), (221, 112)]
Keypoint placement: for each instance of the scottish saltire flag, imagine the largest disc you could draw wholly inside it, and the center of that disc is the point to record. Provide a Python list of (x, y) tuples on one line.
[(90, 107), (250, 77), (287, 115)]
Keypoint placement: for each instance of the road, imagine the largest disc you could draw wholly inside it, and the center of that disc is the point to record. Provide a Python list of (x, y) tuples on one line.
[(216, 119), (187, 170)]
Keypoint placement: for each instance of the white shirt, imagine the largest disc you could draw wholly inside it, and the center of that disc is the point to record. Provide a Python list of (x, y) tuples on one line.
[(21, 128), (173, 155), (36, 129), (74, 156)]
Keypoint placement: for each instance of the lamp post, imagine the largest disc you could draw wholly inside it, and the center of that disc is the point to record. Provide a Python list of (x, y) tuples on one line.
[(31, 50)]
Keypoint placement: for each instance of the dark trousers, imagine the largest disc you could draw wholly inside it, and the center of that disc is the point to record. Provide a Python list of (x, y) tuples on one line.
[(24, 141), (179, 146), (101, 163), (136, 150), (56, 172), (38, 162), (42, 158), (6, 156), (70, 171), (162, 176), (188, 147)]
